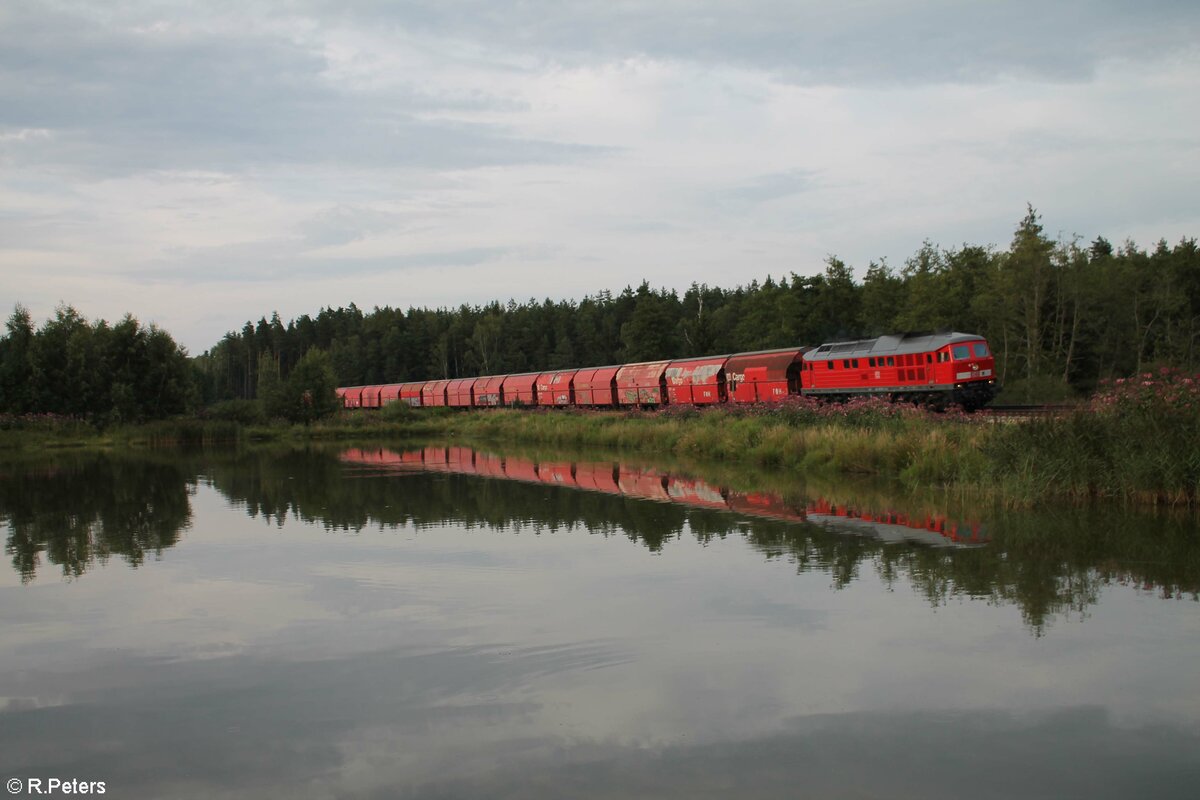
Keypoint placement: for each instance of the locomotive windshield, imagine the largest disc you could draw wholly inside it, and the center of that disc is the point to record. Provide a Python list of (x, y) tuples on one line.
[(961, 352), (981, 349)]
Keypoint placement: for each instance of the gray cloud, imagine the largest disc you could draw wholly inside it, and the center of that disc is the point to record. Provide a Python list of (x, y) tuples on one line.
[(868, 41), (774, 186), (116, 101), (344, 224), (272, 261)]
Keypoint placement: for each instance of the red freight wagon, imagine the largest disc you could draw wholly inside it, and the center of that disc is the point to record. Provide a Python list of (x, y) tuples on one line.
[(556, 472), (521, 389), (598, 476), (434, 393), (370, 396), (489, 391), (410, 393), (764, 376), (596, 386), (696, 380), (458, 393), (648, 483), (389, 394), (556, 388), (642, 384), (344, 396), (695, 493), (520, 469)]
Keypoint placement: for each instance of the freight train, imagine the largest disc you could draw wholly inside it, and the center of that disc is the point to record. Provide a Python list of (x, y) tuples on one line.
[(937, 369)]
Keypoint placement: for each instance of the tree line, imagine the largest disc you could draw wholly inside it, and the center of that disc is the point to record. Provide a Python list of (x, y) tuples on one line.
[(1060, 315), (128, 373), (124, 372)]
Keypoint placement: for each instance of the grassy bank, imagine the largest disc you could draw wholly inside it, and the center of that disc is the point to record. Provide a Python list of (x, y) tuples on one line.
[(1135, 441)]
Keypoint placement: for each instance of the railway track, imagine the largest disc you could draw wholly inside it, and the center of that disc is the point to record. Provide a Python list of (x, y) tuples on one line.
[(1017, 412)]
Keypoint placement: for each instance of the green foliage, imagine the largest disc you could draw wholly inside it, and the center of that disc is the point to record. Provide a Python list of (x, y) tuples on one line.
[(243, 412), (1037, 389), (108, 374), (400, 412), (309, 393), (272, 394)]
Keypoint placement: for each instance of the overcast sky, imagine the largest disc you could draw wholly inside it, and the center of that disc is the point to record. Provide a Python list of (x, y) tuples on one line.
[(202, 163)]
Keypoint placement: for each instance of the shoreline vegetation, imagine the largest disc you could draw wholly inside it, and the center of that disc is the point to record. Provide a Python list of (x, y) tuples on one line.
[(1135, 441)]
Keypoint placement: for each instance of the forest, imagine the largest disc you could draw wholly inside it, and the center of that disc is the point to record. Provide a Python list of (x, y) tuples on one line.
[(1061, 315), (106, 374)]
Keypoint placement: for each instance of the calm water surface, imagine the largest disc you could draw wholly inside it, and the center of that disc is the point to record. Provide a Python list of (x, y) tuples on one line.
[(437, 622)]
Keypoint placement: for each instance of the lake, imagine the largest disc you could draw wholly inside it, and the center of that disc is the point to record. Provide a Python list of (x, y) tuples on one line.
[(440, 622)]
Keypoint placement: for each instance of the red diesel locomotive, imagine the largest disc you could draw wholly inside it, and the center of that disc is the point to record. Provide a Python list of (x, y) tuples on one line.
[(938, 369)]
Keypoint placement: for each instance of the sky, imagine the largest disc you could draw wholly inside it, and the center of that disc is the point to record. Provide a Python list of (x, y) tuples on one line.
[(198, 164)]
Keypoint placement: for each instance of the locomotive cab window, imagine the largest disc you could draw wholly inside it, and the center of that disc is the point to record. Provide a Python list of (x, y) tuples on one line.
[(981, 349), (891, 361), (961, 352), (870, 362), (829, 364)]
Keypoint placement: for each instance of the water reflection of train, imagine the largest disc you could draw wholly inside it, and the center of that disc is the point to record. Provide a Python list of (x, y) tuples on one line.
[(652, 484)]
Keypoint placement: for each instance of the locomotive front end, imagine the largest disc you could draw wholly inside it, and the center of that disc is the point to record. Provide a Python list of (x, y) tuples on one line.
[(974, 370)]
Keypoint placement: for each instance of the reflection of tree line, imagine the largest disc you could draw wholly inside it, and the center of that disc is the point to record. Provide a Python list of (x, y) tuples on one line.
[(83, 508), (90, 507)]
